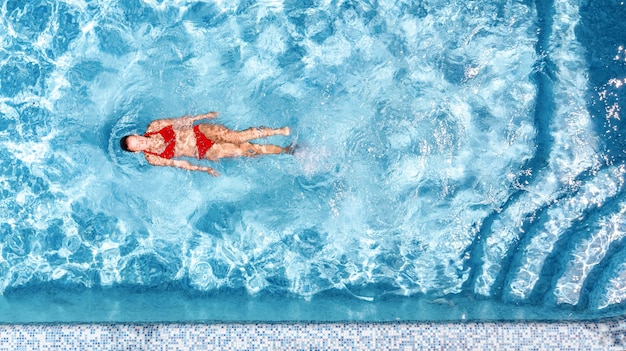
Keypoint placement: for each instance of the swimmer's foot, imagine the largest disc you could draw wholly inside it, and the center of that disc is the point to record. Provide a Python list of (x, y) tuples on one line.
[(291, 149), (286, 131)]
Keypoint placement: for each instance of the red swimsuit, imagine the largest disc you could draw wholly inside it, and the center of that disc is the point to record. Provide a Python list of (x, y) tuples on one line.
[(203, 144), (169, 137)]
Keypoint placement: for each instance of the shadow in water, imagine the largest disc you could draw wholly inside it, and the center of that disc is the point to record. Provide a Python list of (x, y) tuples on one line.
[(602, 31)]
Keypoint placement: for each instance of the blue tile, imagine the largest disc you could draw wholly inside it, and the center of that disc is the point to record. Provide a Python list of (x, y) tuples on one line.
[(609, 335)]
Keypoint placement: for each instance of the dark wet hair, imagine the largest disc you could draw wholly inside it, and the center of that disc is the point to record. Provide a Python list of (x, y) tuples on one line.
[(124, 143)]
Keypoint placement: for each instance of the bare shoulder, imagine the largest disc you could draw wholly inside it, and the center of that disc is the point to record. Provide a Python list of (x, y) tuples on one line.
[(157, 125)]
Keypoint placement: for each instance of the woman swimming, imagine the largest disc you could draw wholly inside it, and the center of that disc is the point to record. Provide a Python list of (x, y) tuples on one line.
[(166, 139)]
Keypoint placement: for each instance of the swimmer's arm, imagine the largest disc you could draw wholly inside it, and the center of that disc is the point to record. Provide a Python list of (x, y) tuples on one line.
[(158, 161), (209, 115), (180, 122)]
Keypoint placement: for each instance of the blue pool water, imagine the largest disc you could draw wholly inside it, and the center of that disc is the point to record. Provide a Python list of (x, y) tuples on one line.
[(457, 161)]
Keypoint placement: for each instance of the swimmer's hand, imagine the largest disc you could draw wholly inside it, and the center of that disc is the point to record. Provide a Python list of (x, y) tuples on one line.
[(212, 172), (209, 170)]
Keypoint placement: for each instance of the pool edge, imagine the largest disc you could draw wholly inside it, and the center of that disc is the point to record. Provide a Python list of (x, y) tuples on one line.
[(604, 335)]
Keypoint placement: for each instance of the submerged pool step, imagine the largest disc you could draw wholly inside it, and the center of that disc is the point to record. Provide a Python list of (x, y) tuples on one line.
[(555, 223), (521, 245), (609, 289), (588, 254)]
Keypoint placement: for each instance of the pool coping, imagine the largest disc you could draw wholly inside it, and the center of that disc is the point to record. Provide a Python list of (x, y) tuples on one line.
[(575, 335)]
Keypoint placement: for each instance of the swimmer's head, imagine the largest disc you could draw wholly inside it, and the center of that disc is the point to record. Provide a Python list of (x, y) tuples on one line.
[(134, 143)]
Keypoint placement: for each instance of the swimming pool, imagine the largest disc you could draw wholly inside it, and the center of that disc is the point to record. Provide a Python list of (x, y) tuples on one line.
[(457, 161)]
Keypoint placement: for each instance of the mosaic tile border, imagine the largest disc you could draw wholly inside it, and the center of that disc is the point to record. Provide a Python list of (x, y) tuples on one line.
[(609, 335)]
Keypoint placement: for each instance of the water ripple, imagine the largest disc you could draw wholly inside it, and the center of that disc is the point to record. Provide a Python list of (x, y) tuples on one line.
[(444, 148)]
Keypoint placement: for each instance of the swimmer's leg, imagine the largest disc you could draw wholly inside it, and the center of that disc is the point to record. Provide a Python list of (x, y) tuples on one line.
[(256, 133), (253, 150), (223, 134), (229, 150)]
